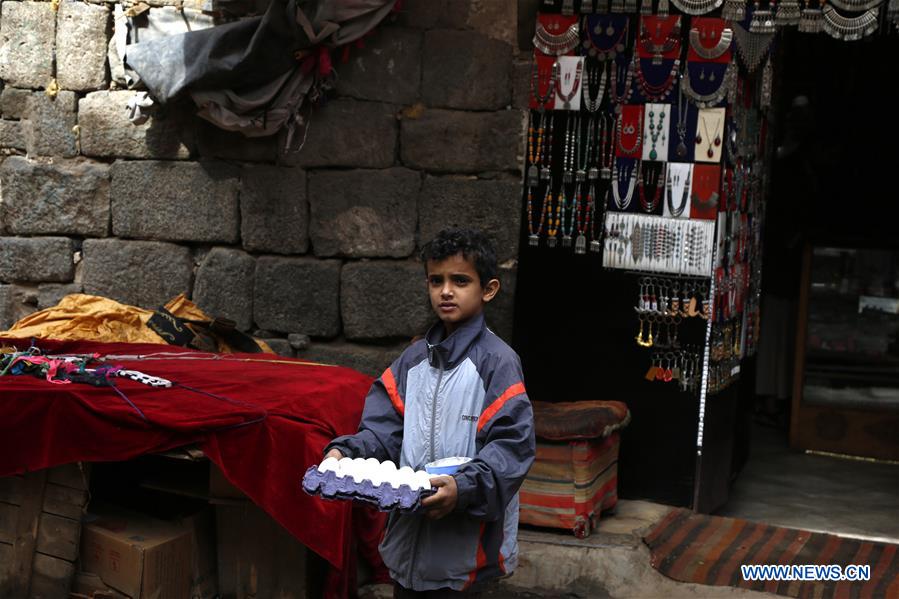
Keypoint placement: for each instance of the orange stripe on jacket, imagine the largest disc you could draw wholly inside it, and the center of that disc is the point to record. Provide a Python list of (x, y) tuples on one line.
[(390, 385), (481, 558), (490, 412)]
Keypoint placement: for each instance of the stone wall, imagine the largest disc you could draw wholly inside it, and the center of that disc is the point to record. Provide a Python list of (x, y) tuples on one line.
[(425, 129)]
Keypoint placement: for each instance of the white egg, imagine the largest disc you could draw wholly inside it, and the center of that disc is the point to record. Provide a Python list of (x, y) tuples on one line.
[(343, 467), (407, 476), (358, 469), (423, 479), (328, 465)]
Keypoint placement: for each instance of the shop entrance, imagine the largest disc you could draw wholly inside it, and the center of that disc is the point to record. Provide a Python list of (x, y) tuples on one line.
[(831, 183)]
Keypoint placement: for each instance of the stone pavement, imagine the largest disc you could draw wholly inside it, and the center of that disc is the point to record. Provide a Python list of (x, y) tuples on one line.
[(613, 562)]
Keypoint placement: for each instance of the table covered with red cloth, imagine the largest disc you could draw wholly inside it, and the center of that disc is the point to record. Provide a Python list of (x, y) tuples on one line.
[(260, 418)]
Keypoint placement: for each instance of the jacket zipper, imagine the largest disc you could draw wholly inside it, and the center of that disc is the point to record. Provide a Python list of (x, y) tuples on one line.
[(434, 405), (433, 441)]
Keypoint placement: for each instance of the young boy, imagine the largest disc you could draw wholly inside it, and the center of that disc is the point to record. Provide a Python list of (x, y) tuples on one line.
[(457, 392)]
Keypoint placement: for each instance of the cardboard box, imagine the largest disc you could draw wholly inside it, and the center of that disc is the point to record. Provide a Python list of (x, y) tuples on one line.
[(137, 555)]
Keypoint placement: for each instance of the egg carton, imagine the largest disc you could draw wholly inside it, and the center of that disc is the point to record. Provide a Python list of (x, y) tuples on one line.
[(379, 484)]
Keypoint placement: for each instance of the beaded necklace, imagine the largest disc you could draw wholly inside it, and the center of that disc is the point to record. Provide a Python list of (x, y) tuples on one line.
[(597, 82), (656, 92), (534, 232), (567, 97), (554, 222), (604, 53), (607, 149), (619, 99)]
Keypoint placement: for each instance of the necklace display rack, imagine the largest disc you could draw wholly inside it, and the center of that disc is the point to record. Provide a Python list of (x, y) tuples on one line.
[(618, 95)]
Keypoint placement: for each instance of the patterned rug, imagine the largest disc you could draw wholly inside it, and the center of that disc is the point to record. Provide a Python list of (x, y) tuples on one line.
[(710, 550)]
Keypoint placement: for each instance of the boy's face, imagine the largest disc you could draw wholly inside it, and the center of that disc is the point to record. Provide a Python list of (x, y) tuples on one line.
[(455, 290)]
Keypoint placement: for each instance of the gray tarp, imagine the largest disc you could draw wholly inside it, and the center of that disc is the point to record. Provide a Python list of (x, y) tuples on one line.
[(245, 76)]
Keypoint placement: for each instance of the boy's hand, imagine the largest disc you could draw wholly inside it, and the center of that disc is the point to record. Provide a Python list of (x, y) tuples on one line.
[(444, 500), (334, 453)]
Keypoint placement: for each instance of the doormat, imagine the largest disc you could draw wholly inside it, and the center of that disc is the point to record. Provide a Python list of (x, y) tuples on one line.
[(710, 550)]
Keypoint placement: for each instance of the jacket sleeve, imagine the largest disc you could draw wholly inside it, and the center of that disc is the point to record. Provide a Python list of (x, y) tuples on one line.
[(487, 484), (380, 433)]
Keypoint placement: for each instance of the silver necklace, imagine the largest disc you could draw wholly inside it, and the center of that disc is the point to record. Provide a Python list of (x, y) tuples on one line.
[(593, 102), (850, 28), (856, 5), (696, 7), (714, 98), (682, 107), (751, 47), (674, 181), (556, 44), (716, 51), (623, 203)]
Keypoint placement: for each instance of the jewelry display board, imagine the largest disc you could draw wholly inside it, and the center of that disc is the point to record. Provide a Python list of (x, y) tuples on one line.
[(652, 157)]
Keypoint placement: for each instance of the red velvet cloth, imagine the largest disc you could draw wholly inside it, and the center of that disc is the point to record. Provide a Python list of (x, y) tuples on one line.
[(294, 410)]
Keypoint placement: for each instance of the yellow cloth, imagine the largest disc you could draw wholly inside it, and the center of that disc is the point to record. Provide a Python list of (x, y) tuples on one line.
[(94, 318)]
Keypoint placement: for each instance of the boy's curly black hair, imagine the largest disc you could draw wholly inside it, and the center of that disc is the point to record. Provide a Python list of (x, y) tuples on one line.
[(473, 244)]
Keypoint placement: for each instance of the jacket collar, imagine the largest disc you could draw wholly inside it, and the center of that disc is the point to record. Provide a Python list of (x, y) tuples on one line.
[(449, 352)]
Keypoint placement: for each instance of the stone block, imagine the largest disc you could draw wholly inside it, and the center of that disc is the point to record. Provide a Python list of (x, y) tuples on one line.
[(175, 201), (466, 70), (141, 273), (297, 295), (49, 128), (274, 211), (107, 132), (391, 54), (16, 302), (463, 142), (364, 213), (49, 294), (384, 299), (64, 197), (347, 132), (500, 312), (491, 206), (12, 135), (36, 259), (494, 18), (280, 346), (27, 31), (14, 102), (224, 286), (81, 41), (372, 360), (213, 142)]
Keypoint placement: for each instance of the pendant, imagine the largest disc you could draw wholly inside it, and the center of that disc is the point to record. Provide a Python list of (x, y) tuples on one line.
[(593, 173), (656, 59), (717, 140), (566, 177), (653, 155), (681, 149), (533, 240), (698, 139), (551, 242), (610, 31), (606, 173), (533, 176), (594, 246), (580, 244), (580, 175), (566, 241), (566, 105), (710, 153), (544, 173)]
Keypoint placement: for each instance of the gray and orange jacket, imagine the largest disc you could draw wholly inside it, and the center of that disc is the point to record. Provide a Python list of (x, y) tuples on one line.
[(460, 396)]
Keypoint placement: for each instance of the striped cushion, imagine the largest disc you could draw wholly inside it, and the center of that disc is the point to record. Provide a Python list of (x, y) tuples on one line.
[(571, 483)]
